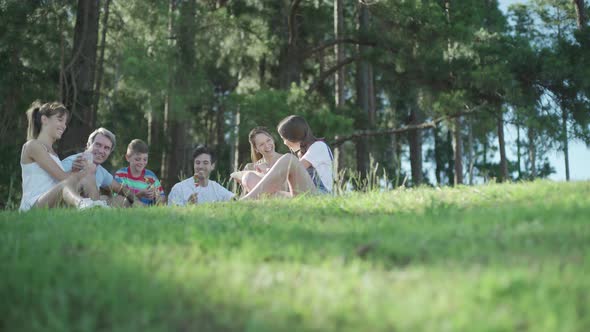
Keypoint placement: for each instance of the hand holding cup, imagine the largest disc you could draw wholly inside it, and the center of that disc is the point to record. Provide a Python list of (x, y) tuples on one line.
[(89, 158), (193, 198), (79, 163)]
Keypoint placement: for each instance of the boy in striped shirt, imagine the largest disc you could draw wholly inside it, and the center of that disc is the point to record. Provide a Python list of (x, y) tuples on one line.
[(143, 182)]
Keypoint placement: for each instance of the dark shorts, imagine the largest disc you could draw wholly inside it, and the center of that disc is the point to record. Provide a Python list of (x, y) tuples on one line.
[(315, 178)]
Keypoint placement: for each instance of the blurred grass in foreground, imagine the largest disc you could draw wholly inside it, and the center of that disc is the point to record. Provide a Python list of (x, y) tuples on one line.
[(487, 258)]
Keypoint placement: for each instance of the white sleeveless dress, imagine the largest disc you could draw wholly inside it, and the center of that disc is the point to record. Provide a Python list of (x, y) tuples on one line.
[(36, 182)]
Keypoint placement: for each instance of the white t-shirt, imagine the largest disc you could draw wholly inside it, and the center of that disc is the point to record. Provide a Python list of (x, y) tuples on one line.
[(320, 157), (214, 192)]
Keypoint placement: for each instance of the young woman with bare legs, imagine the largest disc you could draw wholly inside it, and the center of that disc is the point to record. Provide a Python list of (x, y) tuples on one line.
[(45, 184), (308, 170), (264, 156)]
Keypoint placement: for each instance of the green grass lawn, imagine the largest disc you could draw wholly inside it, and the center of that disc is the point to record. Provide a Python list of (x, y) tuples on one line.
[(488, 258)]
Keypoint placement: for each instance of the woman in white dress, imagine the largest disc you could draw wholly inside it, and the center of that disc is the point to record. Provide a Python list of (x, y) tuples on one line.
[(45, 184)]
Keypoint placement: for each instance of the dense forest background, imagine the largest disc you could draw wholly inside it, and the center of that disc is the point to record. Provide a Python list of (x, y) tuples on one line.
[(384, 81)]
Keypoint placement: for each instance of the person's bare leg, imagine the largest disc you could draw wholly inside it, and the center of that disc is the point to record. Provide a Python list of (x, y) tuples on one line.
[(299, 180), (71, 194), (287, 167), (89, 188), (250, 180), (65, 191)]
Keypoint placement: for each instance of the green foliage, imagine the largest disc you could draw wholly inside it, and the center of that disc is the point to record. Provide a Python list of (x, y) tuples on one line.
[(495, 257), (268, 107), (219, 57)]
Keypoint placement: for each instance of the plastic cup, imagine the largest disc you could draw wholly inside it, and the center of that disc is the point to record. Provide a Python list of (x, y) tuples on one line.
[(88, 156)]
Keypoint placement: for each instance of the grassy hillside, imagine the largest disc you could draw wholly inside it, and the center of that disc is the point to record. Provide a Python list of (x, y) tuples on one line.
[(489, 258)]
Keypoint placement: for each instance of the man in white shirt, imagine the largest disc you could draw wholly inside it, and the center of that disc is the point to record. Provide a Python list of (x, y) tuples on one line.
[(198, 188)]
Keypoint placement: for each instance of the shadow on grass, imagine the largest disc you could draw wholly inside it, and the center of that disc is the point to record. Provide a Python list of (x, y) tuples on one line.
[(75, 287)]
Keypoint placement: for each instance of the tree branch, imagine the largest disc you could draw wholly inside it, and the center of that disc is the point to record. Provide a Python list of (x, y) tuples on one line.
[(100, 69), (331, 71), (338, 140), (333, 42)]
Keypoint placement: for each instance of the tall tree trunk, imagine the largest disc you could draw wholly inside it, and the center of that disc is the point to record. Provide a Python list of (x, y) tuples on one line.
[(363, 90), (397, 158), (210, 126), (415, 142), (372, 98), (100, 69), (289, 57), (289, 62), (470, 154), (502, 147), (518, 151), (532, 153), (458, 151), (339, 52), (154, 135), (389, 157), (564, 117), (457, 138), (220, 127), (235, 147), (177, 161), (80, 76), (580, 13), (362, 156), (450, 169), (485, 156), (485, 151), (62, 61), (9, 104), (438, 159), (262, 71), (166, 172), (322, 66), (338, 79)]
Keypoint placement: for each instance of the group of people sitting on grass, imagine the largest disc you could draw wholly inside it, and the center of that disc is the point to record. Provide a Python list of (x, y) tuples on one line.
[(77, 180)]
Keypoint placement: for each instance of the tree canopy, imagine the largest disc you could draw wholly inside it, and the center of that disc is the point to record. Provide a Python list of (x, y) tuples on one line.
[(423, 81)]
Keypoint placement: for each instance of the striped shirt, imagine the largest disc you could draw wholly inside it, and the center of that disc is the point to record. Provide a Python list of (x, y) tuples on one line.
[(146, 180)]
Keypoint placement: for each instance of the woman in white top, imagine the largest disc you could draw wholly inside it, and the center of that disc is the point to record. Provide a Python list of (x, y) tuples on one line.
[(311, 170), (45, 184)]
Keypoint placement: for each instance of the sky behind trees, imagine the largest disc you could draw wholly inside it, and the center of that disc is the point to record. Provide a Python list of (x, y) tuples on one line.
[(579, 152)]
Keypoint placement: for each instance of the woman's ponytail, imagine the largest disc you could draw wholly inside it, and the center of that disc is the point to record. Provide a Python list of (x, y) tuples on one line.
[(34, 120)]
